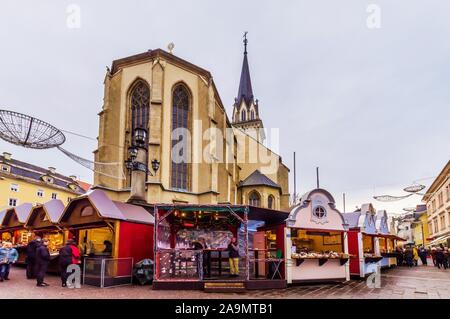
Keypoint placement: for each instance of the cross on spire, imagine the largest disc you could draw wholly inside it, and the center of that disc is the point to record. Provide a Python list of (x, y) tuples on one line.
[(245, 42)]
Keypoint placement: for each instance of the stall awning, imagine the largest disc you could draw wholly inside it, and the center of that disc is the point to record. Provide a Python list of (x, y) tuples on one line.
[(439, 240), (21, 213), (269, 216), (53, 210)]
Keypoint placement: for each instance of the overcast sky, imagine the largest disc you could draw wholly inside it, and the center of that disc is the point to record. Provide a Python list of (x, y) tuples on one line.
[(369, 106)]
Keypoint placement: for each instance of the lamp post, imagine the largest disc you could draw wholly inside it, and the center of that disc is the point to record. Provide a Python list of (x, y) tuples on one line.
[(137, 164)]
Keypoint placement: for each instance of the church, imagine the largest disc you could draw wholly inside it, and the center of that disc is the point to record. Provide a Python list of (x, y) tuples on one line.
[(165, 126)]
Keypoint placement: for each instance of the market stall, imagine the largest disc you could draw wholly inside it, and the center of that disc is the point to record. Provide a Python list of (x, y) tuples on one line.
[(112, 236), (13, 228), (387, 242), (316, 240), (43, 222), (191, 244), (363, 244)]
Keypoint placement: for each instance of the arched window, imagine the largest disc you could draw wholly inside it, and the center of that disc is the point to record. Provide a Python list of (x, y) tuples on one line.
[(270, 202), (243, 115), (140, 106), (254, 199), (180, 172), (252, 115)]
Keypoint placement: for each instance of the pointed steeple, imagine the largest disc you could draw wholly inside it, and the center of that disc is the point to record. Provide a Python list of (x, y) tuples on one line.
[(245, 91)]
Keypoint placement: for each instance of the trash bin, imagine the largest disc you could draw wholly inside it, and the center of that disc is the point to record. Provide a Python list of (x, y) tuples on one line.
[(143, 271)]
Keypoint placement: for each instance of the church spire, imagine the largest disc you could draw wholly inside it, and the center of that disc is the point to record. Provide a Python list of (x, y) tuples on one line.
[(245, 91)]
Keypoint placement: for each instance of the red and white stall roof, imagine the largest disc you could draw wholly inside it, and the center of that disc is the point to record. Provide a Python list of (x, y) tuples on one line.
[(316, 211)]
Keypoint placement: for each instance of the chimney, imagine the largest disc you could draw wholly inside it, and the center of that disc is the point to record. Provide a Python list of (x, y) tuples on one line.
[(7, 156), (52, 170)]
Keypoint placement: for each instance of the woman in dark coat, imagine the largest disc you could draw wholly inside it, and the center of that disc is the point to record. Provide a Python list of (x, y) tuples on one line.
[(409, 256), (65, 260), (42, 261)]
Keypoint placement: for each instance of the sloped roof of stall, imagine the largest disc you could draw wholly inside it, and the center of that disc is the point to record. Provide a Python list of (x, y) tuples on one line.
[(2, 216), (382, 222), (258, 178), (352, 219), (53, 209), (363, 218), (22, 212), (109, 209)]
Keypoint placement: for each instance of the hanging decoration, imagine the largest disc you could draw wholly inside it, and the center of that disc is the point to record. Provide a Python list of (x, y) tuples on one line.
[(389, 198), (30, 132)]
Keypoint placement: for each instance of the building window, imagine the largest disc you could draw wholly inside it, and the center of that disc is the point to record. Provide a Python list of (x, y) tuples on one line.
[(180, 169), (430, 227), (14, 188), (319, 212), (270, 202), (40, 193), (442, 220), (440, 199), (433, 205), (435, 225), (5, 169), (54, 195), (254, 199), (243, 115), (252, 115), (12, 202), (140, 106)]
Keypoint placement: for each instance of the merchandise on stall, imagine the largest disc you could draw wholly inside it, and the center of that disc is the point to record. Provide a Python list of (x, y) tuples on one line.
[(316, 243)]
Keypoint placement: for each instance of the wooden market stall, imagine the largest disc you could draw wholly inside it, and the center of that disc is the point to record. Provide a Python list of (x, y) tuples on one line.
[(363, 244), (13, 228), (316, 240), (387, 241), (112, 236), (181, 263), (43, 221)]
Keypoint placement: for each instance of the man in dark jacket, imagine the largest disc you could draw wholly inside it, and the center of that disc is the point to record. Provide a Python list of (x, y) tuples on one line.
[(423, 255), (409, 256), (31, 257), (65, 260), (42, 261)]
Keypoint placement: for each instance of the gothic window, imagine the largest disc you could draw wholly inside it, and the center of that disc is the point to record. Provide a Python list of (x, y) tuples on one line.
[(254, 199), (180, 170), (140, 106), (270, 202), (252, 115), (243, 115)]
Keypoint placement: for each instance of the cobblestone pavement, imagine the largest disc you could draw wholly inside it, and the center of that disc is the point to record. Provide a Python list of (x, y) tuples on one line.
[(415, 283)]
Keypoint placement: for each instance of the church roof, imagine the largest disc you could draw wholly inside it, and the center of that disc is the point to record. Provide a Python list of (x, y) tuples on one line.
[(245, 91), (257, 178)]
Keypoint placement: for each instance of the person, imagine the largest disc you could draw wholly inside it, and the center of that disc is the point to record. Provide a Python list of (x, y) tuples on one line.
[(108, 247), (440, 258), (415, 255), (445, 261), (8, 256), (409, 256), (399, 256), (42, 261), (433, 256), (233, 257), (30, 253), (423, 255), (67, 258)]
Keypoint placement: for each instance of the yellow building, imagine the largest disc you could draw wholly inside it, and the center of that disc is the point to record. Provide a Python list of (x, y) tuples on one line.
[(437, 199), (420, 226), (22, 182), (216, 161)]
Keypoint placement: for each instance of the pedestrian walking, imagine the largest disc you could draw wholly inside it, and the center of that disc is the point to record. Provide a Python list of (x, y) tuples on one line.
[(423, 255), (68, 255), (8, 256), (440, 258), (399, 256), (42, 261), (433, 255), (30, 259), (415, 256), (446, 258), (409, 256)]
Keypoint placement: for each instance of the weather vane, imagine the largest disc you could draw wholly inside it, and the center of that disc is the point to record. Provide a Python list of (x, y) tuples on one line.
[(245, 42), (170, 46)]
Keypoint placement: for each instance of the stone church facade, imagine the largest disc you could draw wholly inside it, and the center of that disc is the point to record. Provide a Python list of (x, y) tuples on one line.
[(220, 161)]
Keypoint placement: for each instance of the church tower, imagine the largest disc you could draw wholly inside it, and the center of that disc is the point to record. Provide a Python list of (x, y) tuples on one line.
[(245, 108)]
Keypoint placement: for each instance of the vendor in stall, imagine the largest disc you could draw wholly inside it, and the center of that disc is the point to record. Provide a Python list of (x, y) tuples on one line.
[(233, 253)]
